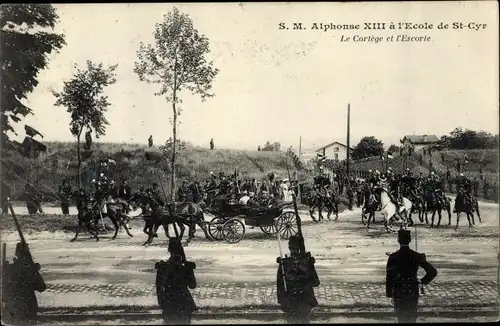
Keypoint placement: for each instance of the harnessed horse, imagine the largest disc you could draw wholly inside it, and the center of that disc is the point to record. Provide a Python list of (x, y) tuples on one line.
[(181, 214)]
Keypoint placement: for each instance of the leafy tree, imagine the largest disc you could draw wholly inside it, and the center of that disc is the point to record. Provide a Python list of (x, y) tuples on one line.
[(83, 98), (168, 148), (176, 61), (469, 139), (25, 44), (368, 146), (393, 149), (271, 147)]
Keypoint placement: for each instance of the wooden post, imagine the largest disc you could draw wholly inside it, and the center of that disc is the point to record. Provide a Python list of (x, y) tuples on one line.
[(348, 138), (300, 146)]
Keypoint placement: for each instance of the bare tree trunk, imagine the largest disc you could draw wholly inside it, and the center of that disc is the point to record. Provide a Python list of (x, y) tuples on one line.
[(79, 159), (174, 147)]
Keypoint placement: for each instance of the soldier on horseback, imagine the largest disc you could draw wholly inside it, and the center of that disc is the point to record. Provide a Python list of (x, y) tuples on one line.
[(393, 190), (464, 188), (183, 191)]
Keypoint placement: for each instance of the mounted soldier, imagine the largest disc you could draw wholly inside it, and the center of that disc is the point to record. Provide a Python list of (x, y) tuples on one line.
[(174, 278), (154, 192), (402, 284), (392, 191), (296, 280), (464, 188), (65, 195), (183, 192), (124, 190)]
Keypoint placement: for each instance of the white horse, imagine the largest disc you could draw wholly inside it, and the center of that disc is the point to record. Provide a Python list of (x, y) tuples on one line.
[(390, 212)]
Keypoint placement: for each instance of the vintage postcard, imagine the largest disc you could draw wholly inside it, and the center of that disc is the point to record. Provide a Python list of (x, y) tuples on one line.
[(236, 163)]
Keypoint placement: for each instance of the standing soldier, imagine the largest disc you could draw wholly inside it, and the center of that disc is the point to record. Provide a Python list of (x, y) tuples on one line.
[(65, 196), (4, 197), (402, 284), (174, 278), (21, 279), (212, 144), (295, 282)]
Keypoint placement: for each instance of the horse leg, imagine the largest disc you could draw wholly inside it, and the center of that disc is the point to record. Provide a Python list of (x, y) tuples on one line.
[(470, 216), (311, 212), (192, 230), (336, 211), (439, 217), (125, 226), (458, 220), (477, 210), (115, 224), (80, 222), (95, 234)]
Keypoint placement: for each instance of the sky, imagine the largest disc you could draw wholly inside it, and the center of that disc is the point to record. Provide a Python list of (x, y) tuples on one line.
[(280, 85)]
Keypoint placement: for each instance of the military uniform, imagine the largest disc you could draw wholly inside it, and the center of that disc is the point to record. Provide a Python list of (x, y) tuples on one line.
[(124, 191), (21, 279), (295, 282), (6, 193), (65, 197), (174, 278), (402, 284)]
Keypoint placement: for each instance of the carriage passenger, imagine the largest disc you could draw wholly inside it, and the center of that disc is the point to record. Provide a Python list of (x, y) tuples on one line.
[(252, 202), (244, 200)]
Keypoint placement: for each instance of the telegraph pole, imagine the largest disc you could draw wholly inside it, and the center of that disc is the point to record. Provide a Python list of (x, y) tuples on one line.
[(348, 138), (300, 146)]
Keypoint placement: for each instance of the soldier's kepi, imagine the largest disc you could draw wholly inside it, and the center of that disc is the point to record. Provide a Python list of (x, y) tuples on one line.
[(296, 277), (401, 278)]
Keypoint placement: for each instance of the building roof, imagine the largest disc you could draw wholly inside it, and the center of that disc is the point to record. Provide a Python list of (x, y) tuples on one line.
[(331, 144), (421, 139)]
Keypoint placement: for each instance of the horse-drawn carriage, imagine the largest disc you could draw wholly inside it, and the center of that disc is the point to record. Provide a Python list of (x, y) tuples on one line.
[(227, 224)]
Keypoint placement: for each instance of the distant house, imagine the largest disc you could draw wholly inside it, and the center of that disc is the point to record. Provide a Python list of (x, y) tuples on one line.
[(418, 142), (334, 151)]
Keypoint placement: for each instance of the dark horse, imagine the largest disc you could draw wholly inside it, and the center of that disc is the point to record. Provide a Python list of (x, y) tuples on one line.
[(370, 207), (371, 204), (89, 213), (466, 205), (330, 201), (178, 214), (433, 204)]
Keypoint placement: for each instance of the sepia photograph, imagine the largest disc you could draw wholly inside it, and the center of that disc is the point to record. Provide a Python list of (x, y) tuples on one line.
[(250, 163)]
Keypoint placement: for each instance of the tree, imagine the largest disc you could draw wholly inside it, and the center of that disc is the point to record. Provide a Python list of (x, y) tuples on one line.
[(83, 98), (368, 146), (271, 147), (25, 49), (176, 61), (393, 149)]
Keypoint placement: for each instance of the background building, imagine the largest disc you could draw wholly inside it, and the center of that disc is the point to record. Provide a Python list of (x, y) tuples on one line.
[(334, 151)]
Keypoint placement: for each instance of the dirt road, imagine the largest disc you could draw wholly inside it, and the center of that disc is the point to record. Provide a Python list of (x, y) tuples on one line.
[(347, 254)]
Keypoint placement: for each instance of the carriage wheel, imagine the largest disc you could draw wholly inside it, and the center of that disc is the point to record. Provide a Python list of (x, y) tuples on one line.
[(233, 230), (215, 228), (270, 229), (287, 225)]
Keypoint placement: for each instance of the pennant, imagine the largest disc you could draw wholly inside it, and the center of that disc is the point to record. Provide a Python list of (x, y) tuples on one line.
[(31, 131)]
